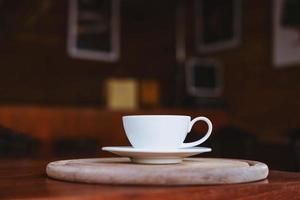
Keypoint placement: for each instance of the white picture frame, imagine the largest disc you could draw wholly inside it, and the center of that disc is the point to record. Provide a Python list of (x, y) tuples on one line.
[(213, 68), (286, 37), (85, 22), (229, 18)]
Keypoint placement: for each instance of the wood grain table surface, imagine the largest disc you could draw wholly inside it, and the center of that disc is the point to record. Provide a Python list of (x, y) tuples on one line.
[(26, 179)]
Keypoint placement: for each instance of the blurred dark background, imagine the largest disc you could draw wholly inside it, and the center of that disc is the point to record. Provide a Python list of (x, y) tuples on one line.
[(54, 105)]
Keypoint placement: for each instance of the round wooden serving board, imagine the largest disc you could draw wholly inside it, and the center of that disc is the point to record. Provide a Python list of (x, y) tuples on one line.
[(192, 171)]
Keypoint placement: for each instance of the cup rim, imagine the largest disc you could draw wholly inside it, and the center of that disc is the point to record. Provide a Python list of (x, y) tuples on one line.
[(155, 115)]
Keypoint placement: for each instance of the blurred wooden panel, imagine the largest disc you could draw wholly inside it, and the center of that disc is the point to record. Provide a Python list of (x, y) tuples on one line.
[(48, 123)]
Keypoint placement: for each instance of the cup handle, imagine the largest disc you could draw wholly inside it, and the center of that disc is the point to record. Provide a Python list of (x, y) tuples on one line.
[(205, 137)]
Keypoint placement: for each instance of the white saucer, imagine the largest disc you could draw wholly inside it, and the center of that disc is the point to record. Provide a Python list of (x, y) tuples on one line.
[(152, 156)]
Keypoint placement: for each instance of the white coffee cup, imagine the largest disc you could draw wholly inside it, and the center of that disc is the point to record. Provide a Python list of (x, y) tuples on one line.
[(162, 131)]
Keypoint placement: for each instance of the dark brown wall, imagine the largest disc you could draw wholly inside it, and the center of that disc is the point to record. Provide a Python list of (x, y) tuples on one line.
[(262, 99), (34, 66)]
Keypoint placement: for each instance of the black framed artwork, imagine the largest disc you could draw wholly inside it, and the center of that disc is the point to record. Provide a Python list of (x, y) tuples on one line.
[(218, 24), (93, 29), (204, 78)]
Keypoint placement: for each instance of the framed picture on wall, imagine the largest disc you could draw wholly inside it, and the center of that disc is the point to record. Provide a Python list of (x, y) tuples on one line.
[(204, 78), (93, 29), (218, 24), (286, 32)]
